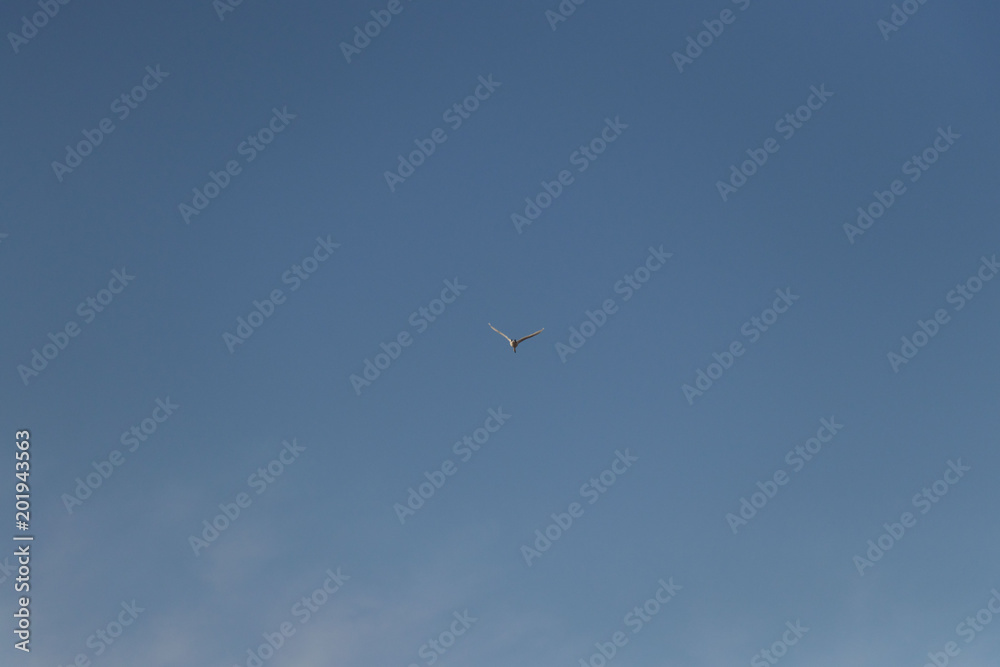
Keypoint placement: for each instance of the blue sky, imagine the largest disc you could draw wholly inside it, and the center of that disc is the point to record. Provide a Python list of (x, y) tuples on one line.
[(702, 220)]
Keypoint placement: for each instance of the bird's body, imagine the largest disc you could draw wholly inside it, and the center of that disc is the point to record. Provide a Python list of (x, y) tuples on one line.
[(515, 343)]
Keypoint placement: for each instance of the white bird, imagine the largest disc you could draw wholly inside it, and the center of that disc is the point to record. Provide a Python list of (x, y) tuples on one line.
[(515, 343)]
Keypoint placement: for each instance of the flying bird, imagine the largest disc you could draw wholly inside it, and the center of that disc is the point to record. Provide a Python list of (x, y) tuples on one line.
[(515, 343)]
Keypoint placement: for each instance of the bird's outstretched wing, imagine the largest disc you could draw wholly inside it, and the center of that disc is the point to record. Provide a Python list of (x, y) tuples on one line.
[(502, 333), (521, 340)]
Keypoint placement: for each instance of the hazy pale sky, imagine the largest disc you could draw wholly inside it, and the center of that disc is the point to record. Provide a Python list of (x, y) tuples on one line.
[(250, 251)]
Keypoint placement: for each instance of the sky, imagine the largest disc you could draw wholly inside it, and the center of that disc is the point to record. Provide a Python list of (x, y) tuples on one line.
[(249, 255)]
